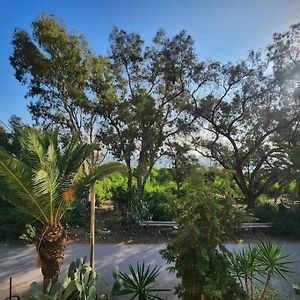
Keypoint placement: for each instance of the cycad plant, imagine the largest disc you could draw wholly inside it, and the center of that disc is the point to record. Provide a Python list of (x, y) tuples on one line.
[(43, 181)]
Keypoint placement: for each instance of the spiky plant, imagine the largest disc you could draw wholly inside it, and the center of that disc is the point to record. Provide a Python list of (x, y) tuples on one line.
[(139, 283), (43, 182)]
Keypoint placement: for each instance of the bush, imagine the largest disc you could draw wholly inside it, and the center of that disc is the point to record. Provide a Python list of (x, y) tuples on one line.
[(160, 205), (265, 213), (13, 221), (123, 199), (78, 214), (286, 221)]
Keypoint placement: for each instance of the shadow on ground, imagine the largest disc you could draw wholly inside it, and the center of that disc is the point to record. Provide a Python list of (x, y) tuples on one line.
[(19, 263)]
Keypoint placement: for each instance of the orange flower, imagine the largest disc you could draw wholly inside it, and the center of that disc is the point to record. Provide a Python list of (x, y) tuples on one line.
[(68, 195)]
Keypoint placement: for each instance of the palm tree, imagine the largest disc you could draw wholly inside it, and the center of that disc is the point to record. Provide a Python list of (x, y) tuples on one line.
[(43, 182)]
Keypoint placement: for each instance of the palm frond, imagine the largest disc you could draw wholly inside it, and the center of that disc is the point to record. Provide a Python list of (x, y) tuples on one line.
[(16, 186)]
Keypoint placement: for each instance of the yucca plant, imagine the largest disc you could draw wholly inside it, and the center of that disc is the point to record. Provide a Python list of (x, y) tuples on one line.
[(259, 264), (272, 263), (138, 283), (43, 181)]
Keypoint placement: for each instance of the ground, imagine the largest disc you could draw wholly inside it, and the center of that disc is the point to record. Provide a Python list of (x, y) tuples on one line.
[(116, 247), (19, 262)]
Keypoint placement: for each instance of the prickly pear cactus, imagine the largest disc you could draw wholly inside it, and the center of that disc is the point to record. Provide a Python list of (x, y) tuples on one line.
[(79, 284)]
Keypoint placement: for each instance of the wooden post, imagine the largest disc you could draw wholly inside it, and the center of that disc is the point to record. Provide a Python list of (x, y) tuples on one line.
[(92, 199)]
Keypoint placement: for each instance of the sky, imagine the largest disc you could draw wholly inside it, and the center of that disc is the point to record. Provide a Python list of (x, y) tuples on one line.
[(223, 30)]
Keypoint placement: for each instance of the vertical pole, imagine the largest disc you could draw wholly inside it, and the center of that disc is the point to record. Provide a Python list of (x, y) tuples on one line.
[(10, 288), (92, 226)]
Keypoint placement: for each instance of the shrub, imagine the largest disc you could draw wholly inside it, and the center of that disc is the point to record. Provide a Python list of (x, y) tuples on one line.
[(197, 250), (78, 214), (286, 221), (123, 199), (13, 221), (266, 212), (160, 205)]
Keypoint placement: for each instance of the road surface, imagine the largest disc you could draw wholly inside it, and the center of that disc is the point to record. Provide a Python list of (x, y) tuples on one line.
[(19, 263)]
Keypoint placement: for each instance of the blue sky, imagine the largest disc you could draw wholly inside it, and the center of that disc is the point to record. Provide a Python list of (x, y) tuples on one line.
[(222, 29)]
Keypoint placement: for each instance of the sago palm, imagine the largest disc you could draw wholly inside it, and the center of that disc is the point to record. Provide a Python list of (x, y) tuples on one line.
[(43, 182)]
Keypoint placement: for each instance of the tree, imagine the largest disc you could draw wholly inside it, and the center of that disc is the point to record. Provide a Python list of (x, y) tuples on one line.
[(182, 161), (153, 97), (43, 182), (66, 81), (284, 53), (241, 116), (197, 250), (8, 135)]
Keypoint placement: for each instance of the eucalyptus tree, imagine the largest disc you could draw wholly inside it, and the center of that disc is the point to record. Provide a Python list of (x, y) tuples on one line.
[(243, 112), (59, 69), (284, 54), (153, 97), (182, 160), (43, 182)]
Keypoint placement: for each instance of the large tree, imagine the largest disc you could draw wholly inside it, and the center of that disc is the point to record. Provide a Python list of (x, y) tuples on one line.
[(240, 116), (284, 53), (59, 70), (153, 97), (43, 182)]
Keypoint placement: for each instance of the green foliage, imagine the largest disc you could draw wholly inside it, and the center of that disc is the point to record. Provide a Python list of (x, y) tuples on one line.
[(13, 221), (286, 220), (139, 283), (262, 199), (30, 235), (292, 187), (287, 223), (123, 199), (160, 205), (266, 212), (256, 266), (45, 180), (197, 251), (79, 284), (296, 288), (78, 214), (105, 186)]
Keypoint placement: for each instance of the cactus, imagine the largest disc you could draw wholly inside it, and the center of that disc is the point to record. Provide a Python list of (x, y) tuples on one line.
[(79, 284)]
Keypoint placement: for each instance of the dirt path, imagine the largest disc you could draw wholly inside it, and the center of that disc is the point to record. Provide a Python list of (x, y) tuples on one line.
[(19, 262)]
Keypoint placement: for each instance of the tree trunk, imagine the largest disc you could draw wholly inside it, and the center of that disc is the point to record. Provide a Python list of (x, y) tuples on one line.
[(51, 250), (129, 177), (250, 198), (92, 199), (298, 191)]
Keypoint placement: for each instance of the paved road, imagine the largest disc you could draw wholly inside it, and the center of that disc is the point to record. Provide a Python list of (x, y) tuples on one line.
[(19, 262)]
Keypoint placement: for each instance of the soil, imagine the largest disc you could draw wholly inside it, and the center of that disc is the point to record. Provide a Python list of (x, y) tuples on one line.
[(109, 229)]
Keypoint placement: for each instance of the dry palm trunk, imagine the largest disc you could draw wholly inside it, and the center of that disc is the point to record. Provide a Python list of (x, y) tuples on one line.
[(51, 250)]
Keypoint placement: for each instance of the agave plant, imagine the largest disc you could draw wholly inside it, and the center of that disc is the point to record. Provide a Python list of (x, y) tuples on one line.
[(138, 283), (43, 182)]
